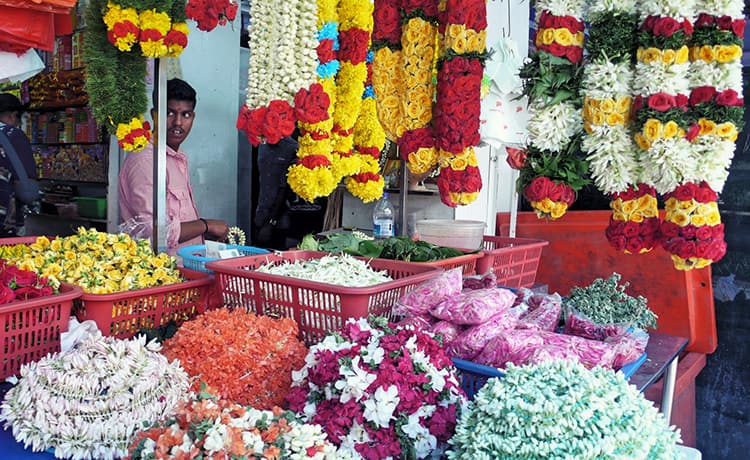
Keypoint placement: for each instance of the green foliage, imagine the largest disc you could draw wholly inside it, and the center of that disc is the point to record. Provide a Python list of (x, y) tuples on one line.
[(404, 248), (676, 41), (551, 79), (718, 113), (612, 36), (714, 36), (679, 116), (606, 302), (568, 166)]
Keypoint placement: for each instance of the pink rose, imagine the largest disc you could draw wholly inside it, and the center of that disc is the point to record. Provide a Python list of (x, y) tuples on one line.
[(661, 102)]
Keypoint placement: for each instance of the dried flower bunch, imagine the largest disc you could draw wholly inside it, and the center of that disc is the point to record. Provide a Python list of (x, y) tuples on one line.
[(89, 402), (606, 302), (559, 409)]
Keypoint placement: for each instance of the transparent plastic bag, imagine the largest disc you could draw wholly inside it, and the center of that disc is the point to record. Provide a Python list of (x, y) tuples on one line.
[(543, 313), (577, 323), (447, 330), (473, 307), (419, 322), (473, 340), (424, 297), (628, 346), (141, 228)]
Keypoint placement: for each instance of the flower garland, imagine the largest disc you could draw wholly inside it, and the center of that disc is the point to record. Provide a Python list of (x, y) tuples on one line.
[(692, 230), (419, 35), (282, 63), (379, 392), (551, 81), (634, 225), (252, 357), (463, 27), (311, 177), (17, 284), (115, 76), (369, 140), (210, 13), (387, 67), (355, 30), (90, 401), (560, 409), (207, 427)]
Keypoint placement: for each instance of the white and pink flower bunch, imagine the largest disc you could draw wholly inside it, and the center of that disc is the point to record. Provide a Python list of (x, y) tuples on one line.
[(380, 391)]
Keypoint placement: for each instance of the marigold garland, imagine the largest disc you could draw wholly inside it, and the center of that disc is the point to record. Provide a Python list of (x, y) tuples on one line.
[(553, 170), (457, 107), (251, 357)]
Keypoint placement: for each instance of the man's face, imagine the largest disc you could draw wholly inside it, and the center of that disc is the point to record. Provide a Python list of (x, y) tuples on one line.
[(180, 117), (12, 118)]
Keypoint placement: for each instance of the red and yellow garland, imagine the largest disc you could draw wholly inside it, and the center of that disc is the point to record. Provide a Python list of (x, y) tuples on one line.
[(387, 67), (634, 225), (463, 28)]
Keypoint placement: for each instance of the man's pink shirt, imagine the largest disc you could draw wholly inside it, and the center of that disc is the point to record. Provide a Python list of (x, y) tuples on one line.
[(135, 191)]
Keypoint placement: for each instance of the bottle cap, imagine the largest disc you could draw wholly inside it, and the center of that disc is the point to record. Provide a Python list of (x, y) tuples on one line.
[(385, 194)]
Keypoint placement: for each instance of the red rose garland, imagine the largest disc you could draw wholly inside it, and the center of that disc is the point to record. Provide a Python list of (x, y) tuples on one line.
[(634, 224), (210, 13), (560, 36), (463, 26), (692, 230), (549, 198)]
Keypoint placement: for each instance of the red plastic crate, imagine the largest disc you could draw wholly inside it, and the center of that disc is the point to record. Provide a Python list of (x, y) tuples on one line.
[(467, 262), (513, 260), (316, 307), (123, 314), (30, 329)]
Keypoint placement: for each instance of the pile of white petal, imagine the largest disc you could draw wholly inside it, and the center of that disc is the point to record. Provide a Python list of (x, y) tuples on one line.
[(89, 402)]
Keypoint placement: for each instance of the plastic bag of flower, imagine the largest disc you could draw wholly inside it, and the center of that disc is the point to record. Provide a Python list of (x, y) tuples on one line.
[(473, 307), (424, 297), (379, 392), (577, 323), (246, 358), (90, 401), (473, 339), (447, 331), (208, 427), (559, 409), (628, 346), (543, 313), (523, 346)]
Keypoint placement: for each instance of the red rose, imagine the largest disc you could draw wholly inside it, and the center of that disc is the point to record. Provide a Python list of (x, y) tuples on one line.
[(648, 24), (473, 181), (685, 192), (687, 27), (681, 102), (661, 102), (475, 15), (311, 106), (25, 278), (704, 194), (325, 51), (635, 245), (555, 192), (717, 250), (555, 49), (730, 98), (666, 27), (314, 161), (284, 120), (630, 229), (693, 132), (686, 249), (702, 249), (614, 228), (353, 45), (650, 226), (568, 195), (717, 231), (669, 229), (537, 189), (387, 20), (724, 22), (637, 103), (704, 20), (738, 27), (574, 54), (6, 295), (703, 233), (618, 242), (688, 231), (516, 158), (702, 94), (414, 139)]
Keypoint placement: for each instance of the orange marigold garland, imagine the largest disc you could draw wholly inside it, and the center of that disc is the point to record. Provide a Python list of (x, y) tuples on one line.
[(457, 109), (249, 359), (387, 67)]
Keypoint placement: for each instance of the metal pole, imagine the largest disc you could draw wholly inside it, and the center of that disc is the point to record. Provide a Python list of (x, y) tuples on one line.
[(159, 239)]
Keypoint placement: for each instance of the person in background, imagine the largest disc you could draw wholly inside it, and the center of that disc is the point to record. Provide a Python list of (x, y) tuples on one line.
[(185, 226), (11, 209)]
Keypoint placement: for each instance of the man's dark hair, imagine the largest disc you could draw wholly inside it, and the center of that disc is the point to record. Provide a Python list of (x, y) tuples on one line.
[(178, 90)]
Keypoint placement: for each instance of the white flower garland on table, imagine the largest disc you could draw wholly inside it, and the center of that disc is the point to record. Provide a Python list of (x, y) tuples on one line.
[(89, 402), (559, 409)]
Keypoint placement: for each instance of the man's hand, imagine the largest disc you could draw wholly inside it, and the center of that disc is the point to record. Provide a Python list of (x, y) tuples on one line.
[(217, 230)]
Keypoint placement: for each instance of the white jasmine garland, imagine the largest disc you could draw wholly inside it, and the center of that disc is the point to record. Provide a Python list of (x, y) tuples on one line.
[(733, 8), (603, 6), (606, 79), (656, 77), (90, 401), (669, 163), (559, 409), (552, 127), (721, 76), (613, 158), (714, 156), (676, 9), (561, 7)]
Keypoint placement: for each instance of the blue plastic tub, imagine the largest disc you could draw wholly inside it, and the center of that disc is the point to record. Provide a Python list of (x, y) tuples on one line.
[(194, 257), (473, 375)]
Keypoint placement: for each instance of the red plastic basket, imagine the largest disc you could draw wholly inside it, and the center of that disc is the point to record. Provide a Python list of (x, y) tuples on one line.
[(30, 329), (123, 314), (513, 260), (316, 307), (467, 262)]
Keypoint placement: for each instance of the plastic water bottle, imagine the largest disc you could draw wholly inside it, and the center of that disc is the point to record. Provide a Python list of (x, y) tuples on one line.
[(382, 218)]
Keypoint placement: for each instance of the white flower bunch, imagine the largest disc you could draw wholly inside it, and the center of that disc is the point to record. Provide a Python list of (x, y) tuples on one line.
[(677, 9), (714, 156), (660, 78), (733, 8), (561, 7), (603, 6), (606, 79), (669, 163), (88, 403), (720, 76), (552, 127), (559, 409), (612, 157)]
